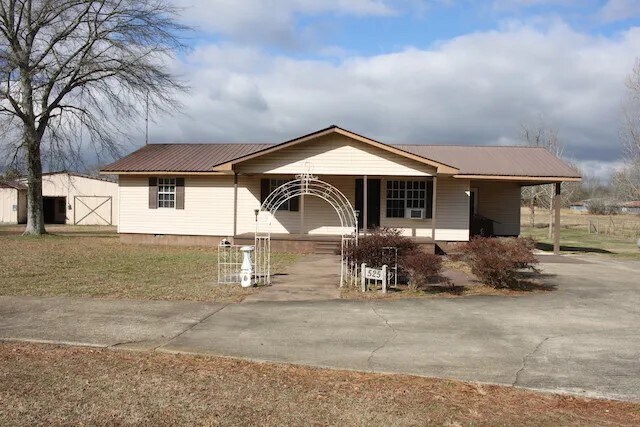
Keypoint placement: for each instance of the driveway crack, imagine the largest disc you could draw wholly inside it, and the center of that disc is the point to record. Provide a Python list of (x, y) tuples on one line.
[(387, 341), (205, 318), (526, 357)]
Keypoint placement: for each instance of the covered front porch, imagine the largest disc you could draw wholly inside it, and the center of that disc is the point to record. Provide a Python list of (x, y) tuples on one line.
[(315, 243), (412, 204)]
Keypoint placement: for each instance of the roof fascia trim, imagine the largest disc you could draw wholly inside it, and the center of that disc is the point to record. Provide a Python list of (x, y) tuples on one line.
[(440, 167), (541, 179)]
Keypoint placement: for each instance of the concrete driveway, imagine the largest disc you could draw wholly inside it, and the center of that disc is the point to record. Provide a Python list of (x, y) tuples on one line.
[(582, 338)]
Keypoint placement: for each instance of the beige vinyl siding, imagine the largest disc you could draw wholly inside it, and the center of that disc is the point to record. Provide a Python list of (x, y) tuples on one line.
[(8, 200), (208, 209), (249, 201), (500, 201), (319, 216), (452, 209), (335, 155), (321, 219)]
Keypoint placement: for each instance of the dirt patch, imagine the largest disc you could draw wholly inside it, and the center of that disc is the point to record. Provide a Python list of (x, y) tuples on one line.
[(66, 385)]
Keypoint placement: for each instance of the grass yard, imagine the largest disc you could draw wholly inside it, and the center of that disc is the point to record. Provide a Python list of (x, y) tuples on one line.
[(578, 240), (617, 236), (93, 263), (49, 385)]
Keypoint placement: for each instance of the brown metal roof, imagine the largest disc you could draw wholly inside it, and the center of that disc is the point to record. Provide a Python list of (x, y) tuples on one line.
[(181, 157), (12, 184), (470, 160), (496, 160)]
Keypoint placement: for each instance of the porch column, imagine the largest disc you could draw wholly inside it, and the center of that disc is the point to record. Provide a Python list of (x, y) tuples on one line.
[(365, 202), (433, 209), (556, 222), (302, 214), (235, 204)]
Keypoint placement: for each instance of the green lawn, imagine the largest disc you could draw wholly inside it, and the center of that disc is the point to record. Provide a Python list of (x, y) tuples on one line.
[(578, 240), (98, 265)]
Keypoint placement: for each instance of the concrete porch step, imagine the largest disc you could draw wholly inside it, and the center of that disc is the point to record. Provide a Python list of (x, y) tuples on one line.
[(326, 248)]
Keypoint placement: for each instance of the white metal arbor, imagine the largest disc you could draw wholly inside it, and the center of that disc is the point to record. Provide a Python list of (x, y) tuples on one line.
[(307, 185)]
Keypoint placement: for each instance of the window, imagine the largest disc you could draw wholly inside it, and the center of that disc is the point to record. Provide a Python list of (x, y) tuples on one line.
[(166, 192), (416, 194), (275, 183), (396, 195), (268, 186), (403, 195)]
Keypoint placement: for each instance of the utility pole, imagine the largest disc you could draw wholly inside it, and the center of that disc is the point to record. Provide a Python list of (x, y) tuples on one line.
[(146, 121)]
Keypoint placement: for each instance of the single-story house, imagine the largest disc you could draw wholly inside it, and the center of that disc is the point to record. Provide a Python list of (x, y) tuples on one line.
[(68, 198), (202, 193), (632, 207), (579, 207)]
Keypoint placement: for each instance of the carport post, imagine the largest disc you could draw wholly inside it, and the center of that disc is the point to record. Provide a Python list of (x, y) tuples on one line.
[(365, 202), (556, 222)]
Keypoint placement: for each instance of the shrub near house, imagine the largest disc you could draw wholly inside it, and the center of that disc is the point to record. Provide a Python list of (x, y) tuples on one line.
[(415, 265), (498, 262)]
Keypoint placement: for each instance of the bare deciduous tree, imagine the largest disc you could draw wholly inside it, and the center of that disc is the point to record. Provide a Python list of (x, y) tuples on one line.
[(542, 195), (68, 66), (627, 180)]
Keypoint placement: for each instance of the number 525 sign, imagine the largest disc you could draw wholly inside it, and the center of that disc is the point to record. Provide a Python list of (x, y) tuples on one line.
[(373, 273)]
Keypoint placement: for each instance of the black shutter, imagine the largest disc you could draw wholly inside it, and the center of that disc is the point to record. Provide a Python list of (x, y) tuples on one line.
[(179, 193), (153, 193), (429, 202), (265, 187)]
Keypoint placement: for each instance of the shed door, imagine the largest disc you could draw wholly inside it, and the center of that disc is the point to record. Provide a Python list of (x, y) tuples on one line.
[(93, 210)]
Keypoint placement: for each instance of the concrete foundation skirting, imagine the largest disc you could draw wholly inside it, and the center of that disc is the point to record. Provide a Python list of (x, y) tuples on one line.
[(290, 246), (293, 244), (169, 239)]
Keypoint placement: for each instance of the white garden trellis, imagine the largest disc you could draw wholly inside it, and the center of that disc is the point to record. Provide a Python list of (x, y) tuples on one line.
[(306, 185)]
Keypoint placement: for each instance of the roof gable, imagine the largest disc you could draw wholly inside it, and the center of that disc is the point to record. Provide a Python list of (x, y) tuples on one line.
[(440, 167), (334, 154)]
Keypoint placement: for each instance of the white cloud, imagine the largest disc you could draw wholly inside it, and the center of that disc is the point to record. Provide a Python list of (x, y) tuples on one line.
[(474, 89), (271, 21), (618, 10)]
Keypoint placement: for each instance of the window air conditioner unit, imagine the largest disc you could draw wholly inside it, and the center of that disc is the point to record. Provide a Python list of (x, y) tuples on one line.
[(414, 213)]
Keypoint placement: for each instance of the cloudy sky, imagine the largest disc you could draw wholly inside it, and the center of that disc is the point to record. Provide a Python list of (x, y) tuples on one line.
[(408, 71)]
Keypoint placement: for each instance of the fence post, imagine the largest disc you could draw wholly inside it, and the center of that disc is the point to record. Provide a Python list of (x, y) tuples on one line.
[(363, 281), (384, 279)]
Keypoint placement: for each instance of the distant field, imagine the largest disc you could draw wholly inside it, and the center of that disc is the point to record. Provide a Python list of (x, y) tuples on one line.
[(614, 235)]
